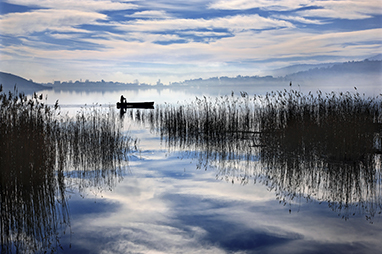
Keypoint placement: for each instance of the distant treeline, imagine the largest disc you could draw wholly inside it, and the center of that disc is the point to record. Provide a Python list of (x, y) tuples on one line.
[(97, 84)]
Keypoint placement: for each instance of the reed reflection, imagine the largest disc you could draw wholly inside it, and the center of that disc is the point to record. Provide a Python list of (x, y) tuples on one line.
[(324, 147), (42, 155)]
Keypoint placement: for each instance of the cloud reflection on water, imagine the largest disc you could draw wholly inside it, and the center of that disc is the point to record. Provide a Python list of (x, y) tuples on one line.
[(162, 212)]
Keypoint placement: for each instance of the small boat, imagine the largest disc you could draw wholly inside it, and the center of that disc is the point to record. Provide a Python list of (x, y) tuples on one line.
[(123, 105)]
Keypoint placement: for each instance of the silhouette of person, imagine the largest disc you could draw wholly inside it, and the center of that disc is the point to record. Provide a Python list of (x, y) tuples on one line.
[(123, 99)]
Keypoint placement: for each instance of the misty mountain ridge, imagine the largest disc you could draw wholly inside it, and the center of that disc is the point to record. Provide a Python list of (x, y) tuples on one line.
[(363, 67), (281, 72), (293, 69), (375, 58)]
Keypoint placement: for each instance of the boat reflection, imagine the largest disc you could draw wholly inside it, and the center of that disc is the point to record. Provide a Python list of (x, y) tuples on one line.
[(41, 156), (324, 148)]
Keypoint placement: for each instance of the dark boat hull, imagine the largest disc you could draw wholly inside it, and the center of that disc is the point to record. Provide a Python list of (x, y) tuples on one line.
[(135, 105)]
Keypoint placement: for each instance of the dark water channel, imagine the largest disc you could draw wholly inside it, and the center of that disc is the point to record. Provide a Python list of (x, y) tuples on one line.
[(281, 173)]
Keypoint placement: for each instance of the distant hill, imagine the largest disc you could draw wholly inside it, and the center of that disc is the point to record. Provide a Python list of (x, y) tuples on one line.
[(360, 67), (376, 57), (299, 68), (9, 81)]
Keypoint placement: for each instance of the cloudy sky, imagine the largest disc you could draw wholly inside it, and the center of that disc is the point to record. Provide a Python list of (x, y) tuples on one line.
[(147, 40)]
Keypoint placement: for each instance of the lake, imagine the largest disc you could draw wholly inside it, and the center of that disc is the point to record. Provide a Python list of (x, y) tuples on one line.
[(198, 191)]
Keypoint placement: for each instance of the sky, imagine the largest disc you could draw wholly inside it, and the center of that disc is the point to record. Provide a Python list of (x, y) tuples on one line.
[(147, 40)]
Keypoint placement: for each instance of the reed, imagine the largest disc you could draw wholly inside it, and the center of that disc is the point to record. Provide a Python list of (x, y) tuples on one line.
[(42, 155), (325, 147)]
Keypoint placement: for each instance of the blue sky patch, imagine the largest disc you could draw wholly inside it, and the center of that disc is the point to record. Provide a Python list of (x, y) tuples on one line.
[(6, 8)]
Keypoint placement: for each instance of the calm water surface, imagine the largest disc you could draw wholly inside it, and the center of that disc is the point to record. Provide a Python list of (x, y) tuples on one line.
[(169, 199)]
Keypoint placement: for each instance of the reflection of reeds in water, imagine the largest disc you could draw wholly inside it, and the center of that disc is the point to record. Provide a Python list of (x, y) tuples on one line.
[(38, 150), (95, 149), (326, 147)]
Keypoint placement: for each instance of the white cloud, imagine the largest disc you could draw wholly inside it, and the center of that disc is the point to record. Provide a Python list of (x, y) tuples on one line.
[(23, 24), (343, 9), (83, 5), (276, 44), (299, 19), (206, 34), (232, 23), (150, 14), (275, 5)]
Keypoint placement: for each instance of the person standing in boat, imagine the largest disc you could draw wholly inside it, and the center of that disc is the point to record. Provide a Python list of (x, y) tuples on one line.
[(123, 99)]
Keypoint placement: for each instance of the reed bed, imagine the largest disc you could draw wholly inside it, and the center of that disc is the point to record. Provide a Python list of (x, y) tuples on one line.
[(342, 127), (324, 147), (42, 155)]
